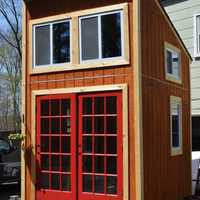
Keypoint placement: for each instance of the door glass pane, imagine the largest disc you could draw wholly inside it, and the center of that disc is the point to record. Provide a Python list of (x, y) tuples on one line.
[(99, 105), (87, 183), (99, 164), (66, 182), (44, 126), (111, 125), (99, 145), (45, 180), (55, 107), (111, 105), (111, 35), (87, 125), (44, 107), (55, 181), (87, 144), (66, 148), (65, 107), (111, 145), (87, 163), (99, 184), (61, 42), (42, 45), (55, 163), (44, 144), (66, 164), (55, 144), (87, 106), (55, 125), (45, 162), (111, 165), (65, 125), (99, 125), (89, 38), (111, 185)]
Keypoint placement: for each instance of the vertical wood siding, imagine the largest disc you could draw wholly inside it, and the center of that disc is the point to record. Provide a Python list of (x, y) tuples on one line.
[(166, 177)]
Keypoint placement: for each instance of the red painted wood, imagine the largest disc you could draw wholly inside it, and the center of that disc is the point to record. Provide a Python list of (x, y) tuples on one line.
[(48, 194), (92, 195)]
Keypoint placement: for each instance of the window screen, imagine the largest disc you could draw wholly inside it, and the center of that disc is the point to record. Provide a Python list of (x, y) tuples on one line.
[(42, 45), (61, 42), (111, 35), (89, 38)]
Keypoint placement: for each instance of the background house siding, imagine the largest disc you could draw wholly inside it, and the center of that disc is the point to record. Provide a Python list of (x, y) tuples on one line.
[(181, 13)]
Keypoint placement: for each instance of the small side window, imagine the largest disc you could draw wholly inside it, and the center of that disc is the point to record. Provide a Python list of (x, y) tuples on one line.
[(172, 63), (197, 35), (176, 125)]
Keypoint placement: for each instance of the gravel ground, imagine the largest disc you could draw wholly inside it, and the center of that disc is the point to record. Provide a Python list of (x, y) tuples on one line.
[(8, 190)]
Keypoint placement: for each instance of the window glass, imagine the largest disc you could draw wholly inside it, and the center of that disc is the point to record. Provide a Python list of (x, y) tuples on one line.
[(176, 125), (42, 45), (89, 38), (101, 36), (52, 43), (111, 35), (196, 133), (61, 42), (173, 64), (198, 34)]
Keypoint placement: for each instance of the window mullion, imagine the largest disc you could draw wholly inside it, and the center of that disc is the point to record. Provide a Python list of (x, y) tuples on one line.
[(99, 37)]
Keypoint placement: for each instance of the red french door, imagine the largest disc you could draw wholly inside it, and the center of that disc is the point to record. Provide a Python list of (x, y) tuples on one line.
[(55, 147), (79, 147)]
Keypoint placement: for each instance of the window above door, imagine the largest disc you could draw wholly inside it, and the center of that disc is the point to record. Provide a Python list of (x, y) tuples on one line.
[(86, 39)]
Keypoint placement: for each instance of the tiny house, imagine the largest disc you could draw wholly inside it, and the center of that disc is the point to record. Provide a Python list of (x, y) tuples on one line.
[(106, 102)]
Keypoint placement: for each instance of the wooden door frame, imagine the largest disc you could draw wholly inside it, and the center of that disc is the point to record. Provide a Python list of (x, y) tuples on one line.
[(101, 88)]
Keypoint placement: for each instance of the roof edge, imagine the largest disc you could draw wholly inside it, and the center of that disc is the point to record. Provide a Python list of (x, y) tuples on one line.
[(158, 3)]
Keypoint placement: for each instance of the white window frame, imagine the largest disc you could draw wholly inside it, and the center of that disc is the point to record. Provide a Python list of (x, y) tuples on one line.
[(51, 43), (168, 76), (196, 37), (100, 59), (176, 150)]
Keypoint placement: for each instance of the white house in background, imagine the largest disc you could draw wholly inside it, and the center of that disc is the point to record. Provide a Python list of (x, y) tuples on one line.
[(185, 15)]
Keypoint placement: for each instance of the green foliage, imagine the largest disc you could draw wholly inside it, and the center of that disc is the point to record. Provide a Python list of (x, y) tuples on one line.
[(16, 136)]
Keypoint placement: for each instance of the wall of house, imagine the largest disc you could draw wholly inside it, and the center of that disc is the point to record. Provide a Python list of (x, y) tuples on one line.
[(165, 176), (78, 78), (181, 13)]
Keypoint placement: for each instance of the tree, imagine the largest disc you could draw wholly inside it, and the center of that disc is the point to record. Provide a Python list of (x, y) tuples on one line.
[(11, 54)]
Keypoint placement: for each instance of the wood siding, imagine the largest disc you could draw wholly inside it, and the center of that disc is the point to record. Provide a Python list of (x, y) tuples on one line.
[(165, 176), (182, 13), (80, 78)]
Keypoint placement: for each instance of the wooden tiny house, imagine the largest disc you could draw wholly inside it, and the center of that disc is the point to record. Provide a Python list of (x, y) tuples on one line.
[(106, 102)]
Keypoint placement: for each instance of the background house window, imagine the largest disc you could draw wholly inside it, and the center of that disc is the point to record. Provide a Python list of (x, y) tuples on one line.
[(172, 64), (101, 36), (196, 133), (176, 125), (52, 43), (197, 35)]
